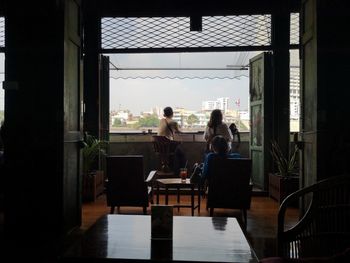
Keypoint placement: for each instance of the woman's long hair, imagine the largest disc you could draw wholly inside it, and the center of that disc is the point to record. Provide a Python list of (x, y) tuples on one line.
[(215, 118)]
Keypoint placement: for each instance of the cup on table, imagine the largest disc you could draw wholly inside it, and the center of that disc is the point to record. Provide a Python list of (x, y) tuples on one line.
[(183, 174)]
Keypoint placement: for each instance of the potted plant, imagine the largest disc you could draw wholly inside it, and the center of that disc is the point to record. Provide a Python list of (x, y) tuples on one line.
[(93, 179), (286, 180)]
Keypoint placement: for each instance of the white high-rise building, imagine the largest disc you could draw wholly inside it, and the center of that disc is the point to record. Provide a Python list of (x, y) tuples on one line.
[(294, 102), (220, 103), (209, 105)]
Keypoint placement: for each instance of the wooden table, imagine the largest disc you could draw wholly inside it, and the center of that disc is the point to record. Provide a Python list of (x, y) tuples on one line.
[(126, 238), (179, 184)]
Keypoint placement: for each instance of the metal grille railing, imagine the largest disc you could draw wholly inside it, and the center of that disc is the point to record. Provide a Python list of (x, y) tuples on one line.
[(294, 29), (174, 32), (2, 32)]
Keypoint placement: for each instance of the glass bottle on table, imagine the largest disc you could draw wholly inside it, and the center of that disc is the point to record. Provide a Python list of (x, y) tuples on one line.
[(183, 174)]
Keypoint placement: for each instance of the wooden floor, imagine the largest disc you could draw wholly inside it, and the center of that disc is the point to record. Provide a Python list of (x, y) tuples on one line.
[(262, 219)]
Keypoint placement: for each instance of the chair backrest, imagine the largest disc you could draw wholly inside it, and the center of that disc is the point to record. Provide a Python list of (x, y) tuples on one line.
[(324, 229), (126, 182), (165, 148), (160, 144), (229, 183)]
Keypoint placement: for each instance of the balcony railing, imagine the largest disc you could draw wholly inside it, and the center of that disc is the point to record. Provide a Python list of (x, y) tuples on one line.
[(193, 145)]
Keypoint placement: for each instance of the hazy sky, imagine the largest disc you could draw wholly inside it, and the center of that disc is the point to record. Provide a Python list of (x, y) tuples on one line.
[(136, 91), (142, 94)]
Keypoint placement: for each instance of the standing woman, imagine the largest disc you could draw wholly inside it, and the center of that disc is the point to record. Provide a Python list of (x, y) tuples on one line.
[(217, 127), (168, 128)]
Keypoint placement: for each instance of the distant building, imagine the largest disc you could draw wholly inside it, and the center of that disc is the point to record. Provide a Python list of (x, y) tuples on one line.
[(209, 105), (122, 115), (181, 115), (219, 103), (244, 115), (231, 116), (158, 111), (294, 93), (222, 104), (203, 119)]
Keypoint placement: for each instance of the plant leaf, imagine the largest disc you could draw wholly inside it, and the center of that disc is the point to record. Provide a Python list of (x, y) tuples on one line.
[(91, 150), (285, 165)]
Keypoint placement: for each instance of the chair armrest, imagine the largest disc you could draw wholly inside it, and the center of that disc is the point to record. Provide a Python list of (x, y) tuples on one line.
[(150, 177)]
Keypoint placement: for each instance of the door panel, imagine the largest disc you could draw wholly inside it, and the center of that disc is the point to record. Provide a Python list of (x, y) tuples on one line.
[(104, 98), (72, 117), (308, 131), (261, 117)]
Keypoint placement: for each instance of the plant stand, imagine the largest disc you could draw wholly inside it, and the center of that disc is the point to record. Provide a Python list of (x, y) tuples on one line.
[(93, 186), (280, 187)]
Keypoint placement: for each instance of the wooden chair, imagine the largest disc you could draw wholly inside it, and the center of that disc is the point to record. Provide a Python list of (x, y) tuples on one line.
[(324, 229), (229, 185), (165, 149), (126, 184)]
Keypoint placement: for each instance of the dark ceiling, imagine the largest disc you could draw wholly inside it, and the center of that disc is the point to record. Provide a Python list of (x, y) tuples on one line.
[(144, 8), (188, 7)]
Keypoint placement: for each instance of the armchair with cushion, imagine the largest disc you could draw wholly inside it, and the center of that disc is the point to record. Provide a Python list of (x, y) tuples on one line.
[(126, 184), (229, 184)]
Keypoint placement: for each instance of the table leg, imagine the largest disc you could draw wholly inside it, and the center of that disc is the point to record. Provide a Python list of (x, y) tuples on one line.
[(192, 199), (166, 195), (178, 198), (199, 198), (157, 193)]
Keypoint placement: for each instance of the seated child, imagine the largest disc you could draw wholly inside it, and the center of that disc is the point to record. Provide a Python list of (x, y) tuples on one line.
[(220, 148)]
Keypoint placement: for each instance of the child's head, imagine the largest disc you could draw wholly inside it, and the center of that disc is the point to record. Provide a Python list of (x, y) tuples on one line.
[(219, 145), (233, 126)]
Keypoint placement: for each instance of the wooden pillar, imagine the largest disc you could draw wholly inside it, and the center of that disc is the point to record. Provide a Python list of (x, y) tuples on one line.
[(333, 73), (41, 111), (325, 89), (281, 72), (91, 67), (33, 127)]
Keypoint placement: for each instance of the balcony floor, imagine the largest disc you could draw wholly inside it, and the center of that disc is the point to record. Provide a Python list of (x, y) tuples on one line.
[(261, 228)]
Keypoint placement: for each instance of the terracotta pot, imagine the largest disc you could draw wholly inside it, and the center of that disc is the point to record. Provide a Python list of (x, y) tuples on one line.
[(93, 186), (280, 187)]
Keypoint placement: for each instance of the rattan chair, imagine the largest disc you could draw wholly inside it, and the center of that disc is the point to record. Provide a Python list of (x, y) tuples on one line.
[(324, 229)]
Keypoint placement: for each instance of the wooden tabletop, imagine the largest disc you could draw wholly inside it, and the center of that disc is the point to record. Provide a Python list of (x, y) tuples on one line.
[(123, 238), (174, 182)]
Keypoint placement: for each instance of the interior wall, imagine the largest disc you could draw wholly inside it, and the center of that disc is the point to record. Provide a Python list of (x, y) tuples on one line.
[(333, 56)]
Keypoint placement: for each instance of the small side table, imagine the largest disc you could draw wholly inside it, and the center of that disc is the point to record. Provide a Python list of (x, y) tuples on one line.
[(179, 184)]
